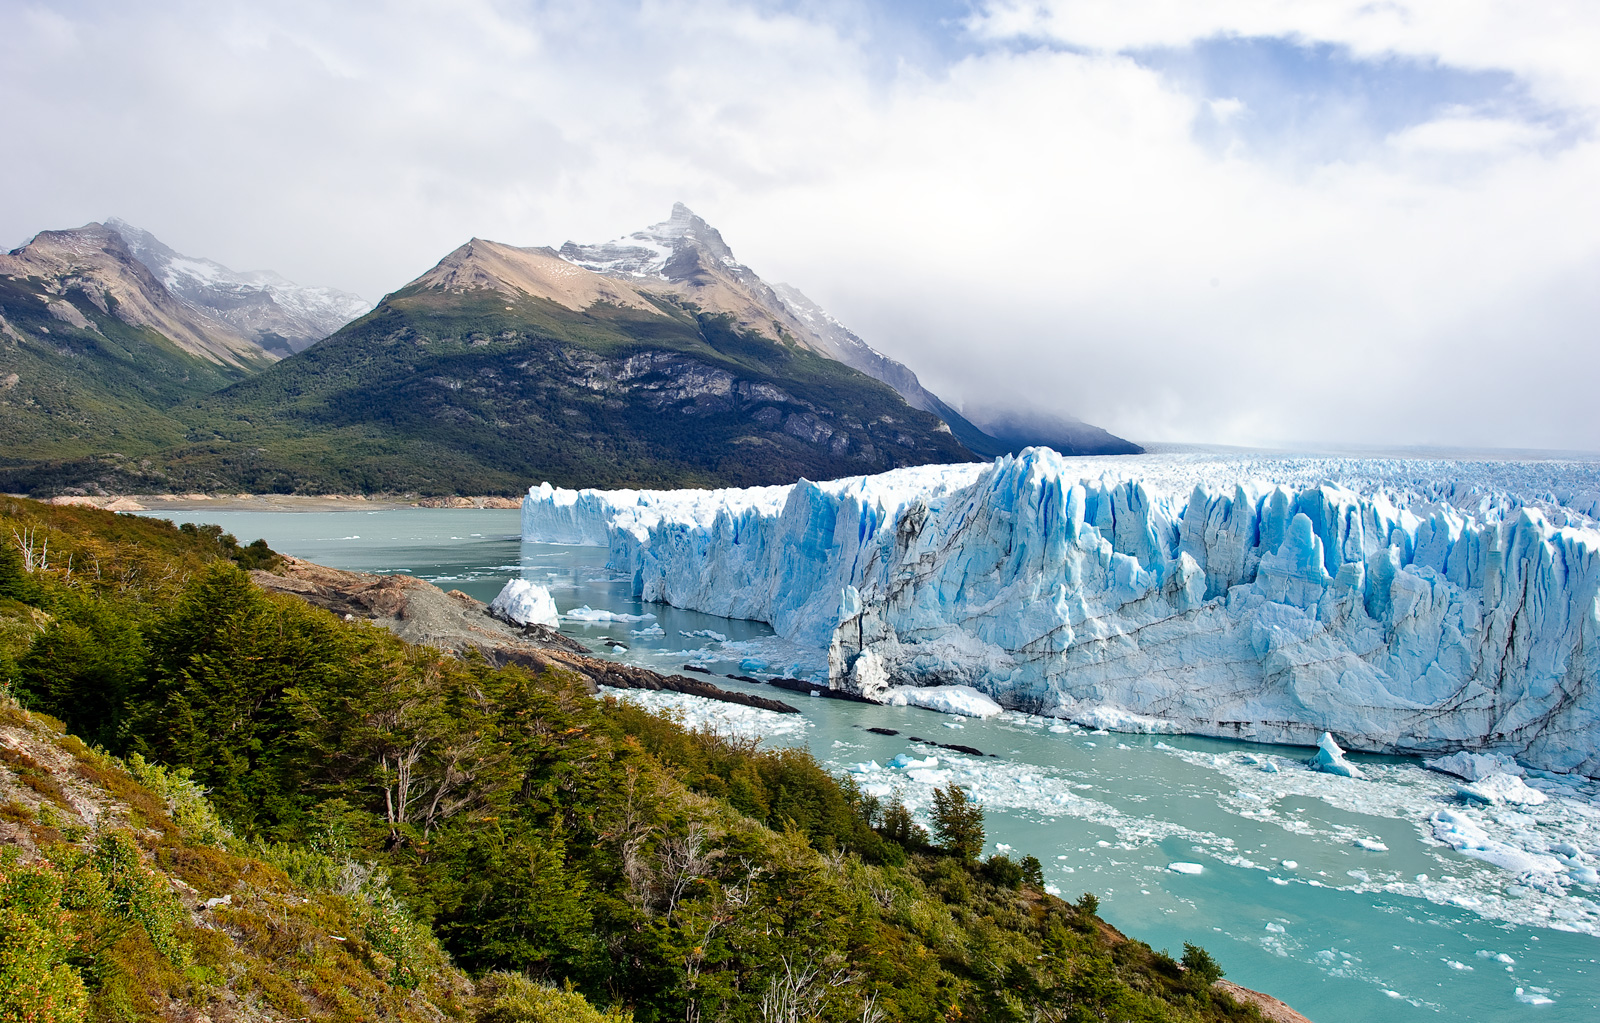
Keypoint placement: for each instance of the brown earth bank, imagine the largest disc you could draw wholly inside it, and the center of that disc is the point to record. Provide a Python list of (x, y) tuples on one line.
[(273, 502), (419, 612)]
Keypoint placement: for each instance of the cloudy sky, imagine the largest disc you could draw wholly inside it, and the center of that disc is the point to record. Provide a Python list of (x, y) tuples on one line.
[(1237, 221)]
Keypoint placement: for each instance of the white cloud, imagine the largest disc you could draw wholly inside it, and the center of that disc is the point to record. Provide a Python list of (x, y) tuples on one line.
[(1027, 220)]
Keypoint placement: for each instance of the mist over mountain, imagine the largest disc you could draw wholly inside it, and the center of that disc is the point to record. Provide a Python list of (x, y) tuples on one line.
[(687, 257)]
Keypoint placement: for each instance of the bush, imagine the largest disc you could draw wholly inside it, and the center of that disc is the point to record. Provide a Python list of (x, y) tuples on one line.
[(37, 940), (1002, 872), (513, 998)]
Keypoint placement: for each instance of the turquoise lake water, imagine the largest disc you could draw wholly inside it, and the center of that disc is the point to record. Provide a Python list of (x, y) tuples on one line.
[(1396, 928)]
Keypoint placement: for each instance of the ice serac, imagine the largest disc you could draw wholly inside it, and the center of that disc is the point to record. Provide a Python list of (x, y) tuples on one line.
[(1411, 607)]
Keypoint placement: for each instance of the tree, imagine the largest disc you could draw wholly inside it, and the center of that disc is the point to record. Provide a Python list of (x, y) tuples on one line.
[(1198, 965), (958, 822)]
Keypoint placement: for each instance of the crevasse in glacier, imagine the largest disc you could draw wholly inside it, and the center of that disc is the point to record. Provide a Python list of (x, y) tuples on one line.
[(1397, 610)]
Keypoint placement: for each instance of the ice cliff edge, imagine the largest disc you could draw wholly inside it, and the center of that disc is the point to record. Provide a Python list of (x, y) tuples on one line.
[(1403, 614)]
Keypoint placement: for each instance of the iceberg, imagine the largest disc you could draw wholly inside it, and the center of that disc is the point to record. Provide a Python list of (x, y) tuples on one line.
[(1416, 607), (1330, 759), (525, 603)]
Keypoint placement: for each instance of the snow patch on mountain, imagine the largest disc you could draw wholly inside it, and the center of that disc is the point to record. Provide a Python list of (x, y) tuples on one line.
[(267, 307)]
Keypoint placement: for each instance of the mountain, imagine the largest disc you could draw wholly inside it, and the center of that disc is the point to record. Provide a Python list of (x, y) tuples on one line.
[(504, 366), (276, 313), (95, 353), (94, 263), (686, 257), (1017, 426)]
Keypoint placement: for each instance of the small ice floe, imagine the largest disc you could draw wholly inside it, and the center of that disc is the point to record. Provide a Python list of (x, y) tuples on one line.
[(870, 767), (1330, 759), (908, 761), (1535, 996), (1457, 965), (1185, 868), (1465, 836), (525, 603), (1107, 716), (1371, 845), (1269, 766), (716, 637), (1290, 865), (962, 700), (653, 630), (1474, 766), (1275, 928), (1498, 788), (589, 614)]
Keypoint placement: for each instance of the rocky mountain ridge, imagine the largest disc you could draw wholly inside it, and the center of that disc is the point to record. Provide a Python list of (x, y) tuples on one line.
[(275, 312), (94, 261)]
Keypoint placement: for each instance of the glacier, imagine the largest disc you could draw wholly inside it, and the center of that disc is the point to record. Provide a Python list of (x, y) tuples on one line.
[(1404, 606)]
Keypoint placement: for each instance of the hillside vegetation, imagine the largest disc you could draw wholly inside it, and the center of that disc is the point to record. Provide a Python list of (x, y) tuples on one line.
[(227, 802), (438, 392)]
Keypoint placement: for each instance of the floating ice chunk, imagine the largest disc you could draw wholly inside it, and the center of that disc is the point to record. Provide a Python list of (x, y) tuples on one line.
[(704, 634), (1185, 868), (1474, 766), (1372, 845), (1106, 717), (589, 614), (906, 760), (1535, 996), (1275, 928), (1464, 835), (653, 630), (1269, 766), (525, 603), (1330, 759), (870, 767), (1498, 788), (1455, 964), (963, 700), (1290, 865)]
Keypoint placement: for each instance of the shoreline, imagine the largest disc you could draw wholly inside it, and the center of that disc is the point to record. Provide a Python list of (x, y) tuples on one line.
[(275, 502)]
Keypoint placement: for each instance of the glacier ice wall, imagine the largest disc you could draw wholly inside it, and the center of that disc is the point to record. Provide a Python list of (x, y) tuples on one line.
[(1403, 612)]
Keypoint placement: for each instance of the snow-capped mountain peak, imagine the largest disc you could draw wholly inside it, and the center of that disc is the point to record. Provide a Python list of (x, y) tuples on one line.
[(267, 307)]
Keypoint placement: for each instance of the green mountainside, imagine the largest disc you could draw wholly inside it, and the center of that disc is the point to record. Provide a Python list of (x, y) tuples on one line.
[(479, 392), (247, 808), (76, 380)]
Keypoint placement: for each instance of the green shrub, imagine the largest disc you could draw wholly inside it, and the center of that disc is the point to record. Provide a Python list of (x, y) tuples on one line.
[(37, 941), (513, 998)]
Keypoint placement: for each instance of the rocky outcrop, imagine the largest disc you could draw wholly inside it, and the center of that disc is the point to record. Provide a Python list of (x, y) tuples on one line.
[(419, 612), (275, 312)]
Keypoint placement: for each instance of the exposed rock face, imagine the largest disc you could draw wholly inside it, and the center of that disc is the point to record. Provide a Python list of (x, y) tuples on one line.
[(419, 612), (685, 257), (270, 309), (535, 272), (96, 262)]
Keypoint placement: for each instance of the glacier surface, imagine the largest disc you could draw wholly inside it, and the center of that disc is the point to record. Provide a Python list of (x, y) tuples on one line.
[(1404, 606)]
